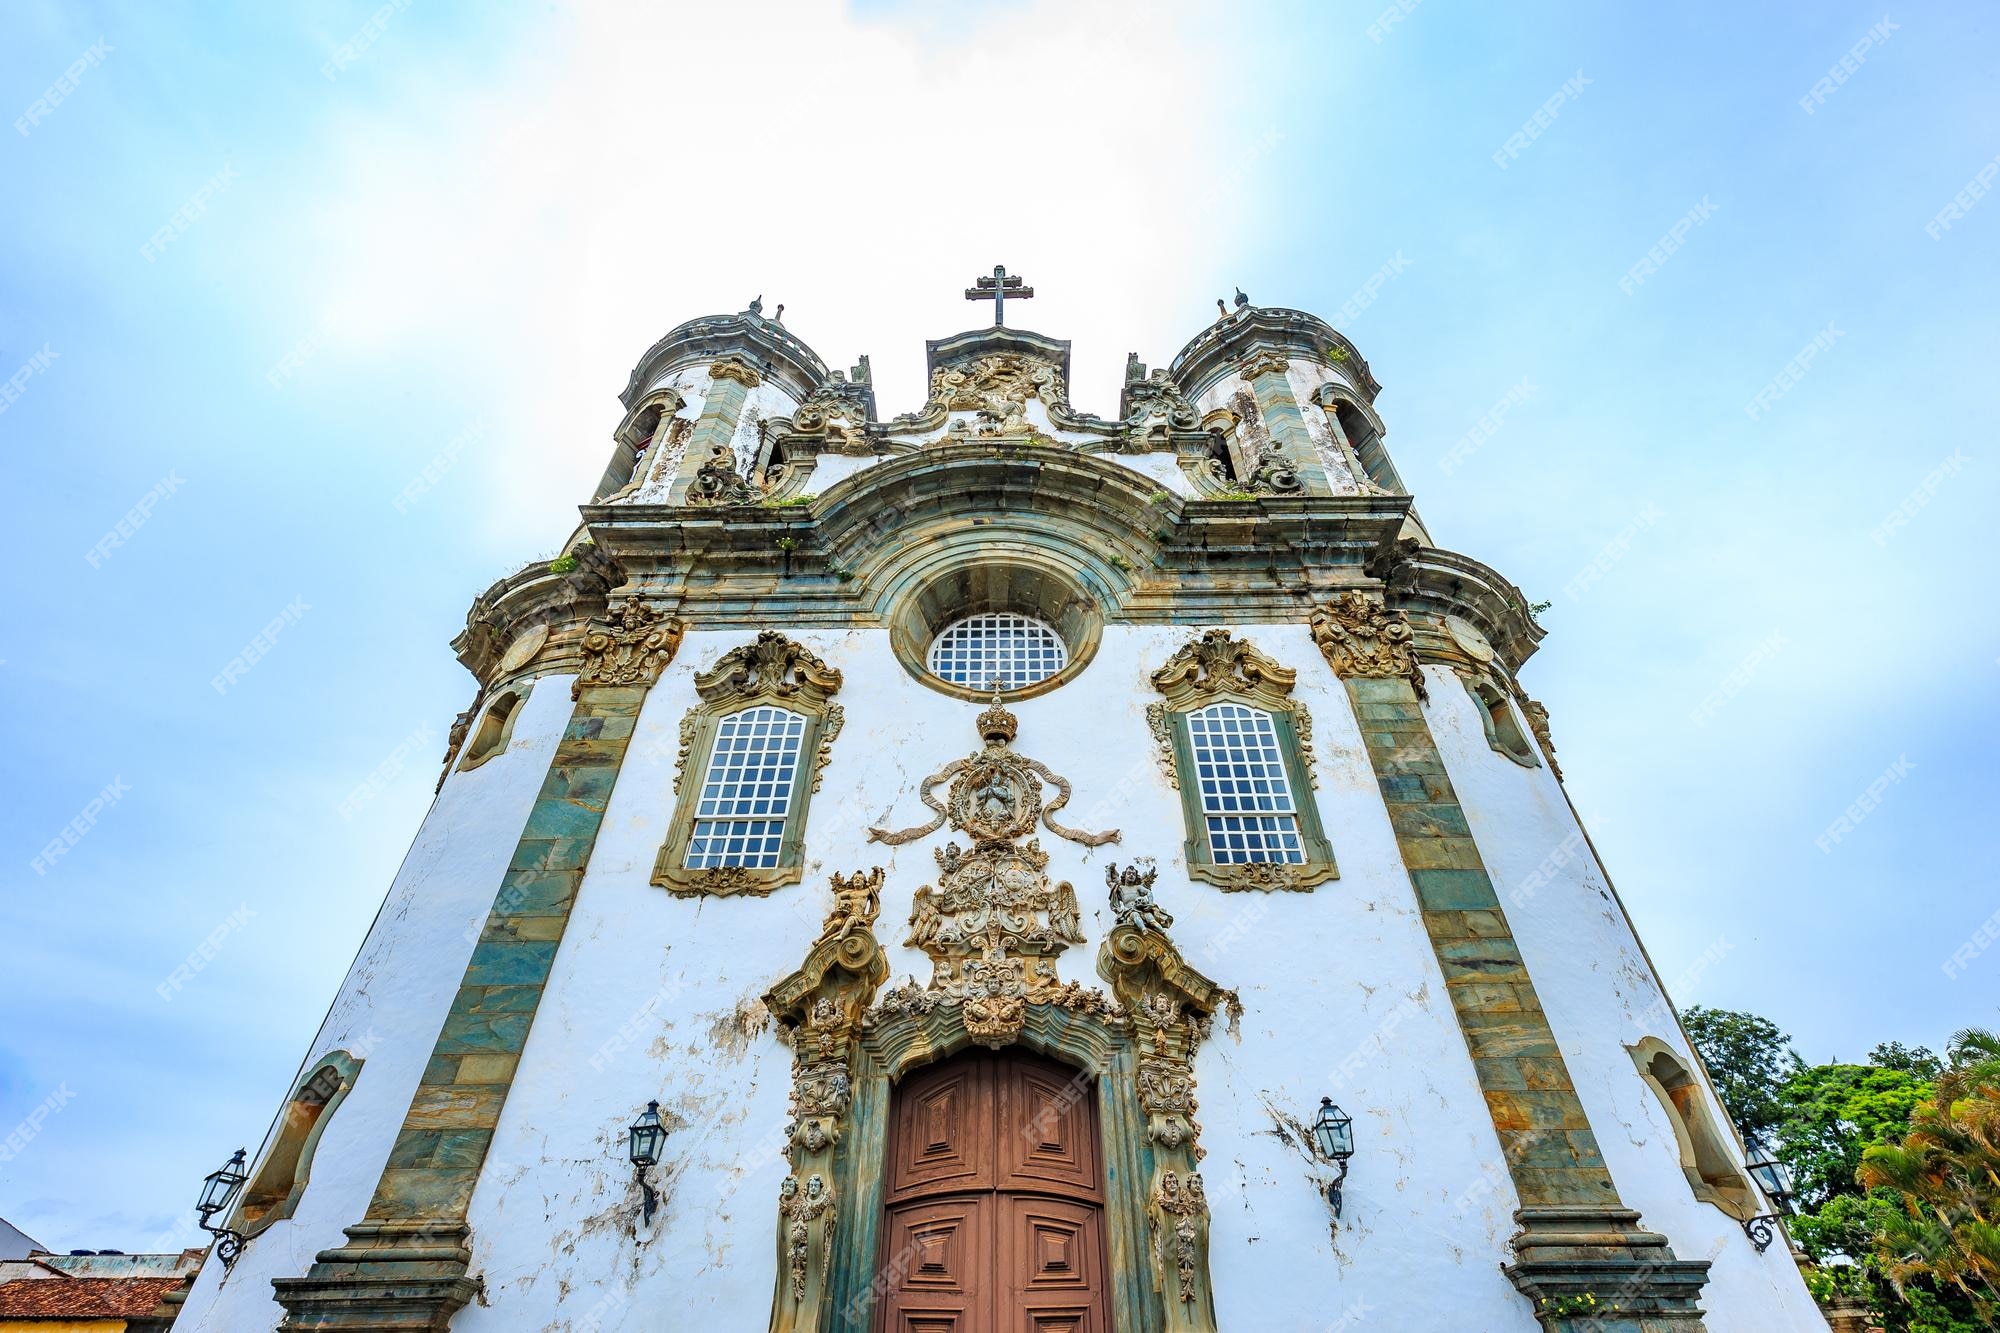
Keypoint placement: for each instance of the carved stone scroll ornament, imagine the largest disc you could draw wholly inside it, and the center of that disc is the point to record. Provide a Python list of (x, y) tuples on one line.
[(819, 1009), (995, 794), (737, 369), (1273, 474), (838, 411), (631, 648), (1154, 405), (717, 482), (460, 727), (1361, 637), (1263, 363)]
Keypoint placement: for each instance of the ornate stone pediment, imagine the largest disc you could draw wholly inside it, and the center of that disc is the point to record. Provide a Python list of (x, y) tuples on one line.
[(1361, 637), (1218, 664), (631, 648), (999, 387), (772, 667)]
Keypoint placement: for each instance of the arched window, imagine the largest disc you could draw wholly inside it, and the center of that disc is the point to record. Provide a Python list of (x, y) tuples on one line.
[(1015, 650), (273, 1189), (1239, 749), (1496, 715), (751, 756), (1707, 1152), (495, 729)]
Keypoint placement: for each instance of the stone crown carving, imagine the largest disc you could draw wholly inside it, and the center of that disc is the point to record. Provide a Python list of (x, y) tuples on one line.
[(1361, 637), (631, 648)]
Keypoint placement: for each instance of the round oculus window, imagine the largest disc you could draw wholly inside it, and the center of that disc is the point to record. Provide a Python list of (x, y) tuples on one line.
[(999, 650)]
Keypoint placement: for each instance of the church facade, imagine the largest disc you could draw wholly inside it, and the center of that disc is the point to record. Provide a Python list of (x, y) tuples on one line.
[(1038, 871)]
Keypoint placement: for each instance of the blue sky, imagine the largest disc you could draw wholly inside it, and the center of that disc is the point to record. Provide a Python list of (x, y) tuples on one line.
[(265, 263)]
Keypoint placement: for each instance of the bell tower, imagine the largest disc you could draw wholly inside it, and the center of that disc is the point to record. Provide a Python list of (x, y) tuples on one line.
[(947, 870)]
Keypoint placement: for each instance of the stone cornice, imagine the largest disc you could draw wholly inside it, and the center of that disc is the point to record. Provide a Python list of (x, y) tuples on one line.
[(768, 346), (1218, 349), (1150, 557), (534, 596), (1144, 556)]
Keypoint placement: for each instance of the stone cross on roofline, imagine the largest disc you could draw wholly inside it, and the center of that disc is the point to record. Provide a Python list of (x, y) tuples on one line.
[(997, 289)]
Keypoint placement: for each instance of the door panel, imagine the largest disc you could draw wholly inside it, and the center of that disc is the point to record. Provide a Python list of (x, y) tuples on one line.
[(942, 1250), (995, 1219), (943, 1138), (1051, 1256), (1047, 1135)]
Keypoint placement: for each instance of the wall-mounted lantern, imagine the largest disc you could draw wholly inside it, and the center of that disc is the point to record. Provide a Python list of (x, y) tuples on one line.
[(218, 1191), (1775, 1180), (1333, 1136), (648, 1136)]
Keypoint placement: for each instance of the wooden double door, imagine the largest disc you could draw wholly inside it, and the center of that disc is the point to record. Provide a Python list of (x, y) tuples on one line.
[(995, 1200)]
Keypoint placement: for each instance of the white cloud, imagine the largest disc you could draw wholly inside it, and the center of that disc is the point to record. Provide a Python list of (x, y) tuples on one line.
[(547, 222)]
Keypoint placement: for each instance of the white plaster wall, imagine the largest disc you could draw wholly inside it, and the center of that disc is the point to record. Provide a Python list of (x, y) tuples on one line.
[(1602, 997), (391, 1006)]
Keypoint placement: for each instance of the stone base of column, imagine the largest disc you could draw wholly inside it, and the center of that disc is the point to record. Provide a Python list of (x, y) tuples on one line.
[(390, 1277), (1594, 1269)]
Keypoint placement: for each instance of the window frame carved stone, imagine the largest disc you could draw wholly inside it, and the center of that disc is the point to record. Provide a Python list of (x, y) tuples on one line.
[(481, 746), (346, 1068), (1729, 1187), (1216, 667), (771, 670), (1487, 695)]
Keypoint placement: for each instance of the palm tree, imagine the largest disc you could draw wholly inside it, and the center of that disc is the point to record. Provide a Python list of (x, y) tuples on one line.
[(1946, 1224)]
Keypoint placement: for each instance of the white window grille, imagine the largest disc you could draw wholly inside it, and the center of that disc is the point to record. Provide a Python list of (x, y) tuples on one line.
[(1246, 798), (747, 793), (1016, 650)]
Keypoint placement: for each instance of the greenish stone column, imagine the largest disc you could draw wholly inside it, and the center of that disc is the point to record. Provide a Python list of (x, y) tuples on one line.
[(1577, 1239), (1272, 388), (729, 386), (405, 1265)]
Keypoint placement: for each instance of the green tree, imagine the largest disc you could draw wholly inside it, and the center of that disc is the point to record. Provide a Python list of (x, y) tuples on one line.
[(1936, 1194), (1749, 1060)]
